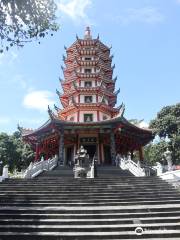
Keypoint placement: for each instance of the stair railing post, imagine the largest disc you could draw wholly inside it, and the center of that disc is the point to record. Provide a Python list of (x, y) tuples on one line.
[(5, 172)]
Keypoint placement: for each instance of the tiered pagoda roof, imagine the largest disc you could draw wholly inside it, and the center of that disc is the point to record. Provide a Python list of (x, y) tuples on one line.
[(88, 60)]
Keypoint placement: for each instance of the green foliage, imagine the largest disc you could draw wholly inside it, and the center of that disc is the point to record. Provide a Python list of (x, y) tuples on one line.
[(155, 152), (167, 124), (24, 20), (14, 152)]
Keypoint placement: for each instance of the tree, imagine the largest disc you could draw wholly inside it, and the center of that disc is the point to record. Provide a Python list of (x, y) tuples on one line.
[(167, 122), (14, 152), (167, 125), (22, 21), (154, 152)]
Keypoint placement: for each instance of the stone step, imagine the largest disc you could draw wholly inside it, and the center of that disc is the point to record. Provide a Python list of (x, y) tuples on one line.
[(90, 228), (86, 199), (152, 234), (123, 203), (89, 221), (112, 206)]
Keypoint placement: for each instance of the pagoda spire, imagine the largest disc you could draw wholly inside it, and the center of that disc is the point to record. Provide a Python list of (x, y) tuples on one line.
[(87, 34)]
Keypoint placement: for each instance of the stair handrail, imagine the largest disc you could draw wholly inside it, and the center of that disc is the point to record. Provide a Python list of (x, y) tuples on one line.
[(134, 168), (36, 168)]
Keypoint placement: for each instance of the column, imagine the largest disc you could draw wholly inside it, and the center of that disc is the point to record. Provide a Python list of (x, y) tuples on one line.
[(102, 152), (61, 147), (37, 152), (98, 115), (113, 147), (141, 155)]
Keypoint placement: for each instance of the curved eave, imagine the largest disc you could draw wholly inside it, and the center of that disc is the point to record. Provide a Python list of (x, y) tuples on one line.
[(43, 128), (136, 127)]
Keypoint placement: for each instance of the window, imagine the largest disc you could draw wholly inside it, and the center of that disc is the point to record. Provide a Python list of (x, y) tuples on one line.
[(88, 99), (87, 70), (87, 58), (88, 84), (88, 117)]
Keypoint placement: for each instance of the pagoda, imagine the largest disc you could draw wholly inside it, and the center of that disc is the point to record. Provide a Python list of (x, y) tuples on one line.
[(89, 117)]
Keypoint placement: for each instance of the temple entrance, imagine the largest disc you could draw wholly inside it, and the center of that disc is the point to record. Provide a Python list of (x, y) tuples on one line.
[(69, 155), (107, 155), (91, 150)]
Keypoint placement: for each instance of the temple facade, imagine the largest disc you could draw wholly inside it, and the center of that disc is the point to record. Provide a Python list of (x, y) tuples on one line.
[(88, 116)]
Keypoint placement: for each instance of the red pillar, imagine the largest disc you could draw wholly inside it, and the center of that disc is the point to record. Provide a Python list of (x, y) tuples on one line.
[(98, 115), (37, 152), (78, 116)]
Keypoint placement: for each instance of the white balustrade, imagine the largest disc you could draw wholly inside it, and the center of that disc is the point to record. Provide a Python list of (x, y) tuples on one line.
[(134, 168), (35, 169)]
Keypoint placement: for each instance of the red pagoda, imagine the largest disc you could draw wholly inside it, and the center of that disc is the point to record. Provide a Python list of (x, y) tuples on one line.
[(89, 116)]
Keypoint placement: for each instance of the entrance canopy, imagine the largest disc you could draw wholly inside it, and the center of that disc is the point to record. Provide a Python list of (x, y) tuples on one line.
[(117, 133)]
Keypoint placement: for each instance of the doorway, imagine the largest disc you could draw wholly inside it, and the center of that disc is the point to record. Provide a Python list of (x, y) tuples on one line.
[(69, 156), (107, 155), (91, 150)]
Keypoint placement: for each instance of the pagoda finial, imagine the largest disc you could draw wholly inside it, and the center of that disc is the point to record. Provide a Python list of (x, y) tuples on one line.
[(87, 34)]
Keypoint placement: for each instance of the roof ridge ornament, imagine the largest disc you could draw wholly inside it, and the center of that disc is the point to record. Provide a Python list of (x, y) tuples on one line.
[(58, 93), (51, 114), (60, 80), (87, 34), (63, 57), (115, 79), (56, 108), (117, 92), (121, 109)]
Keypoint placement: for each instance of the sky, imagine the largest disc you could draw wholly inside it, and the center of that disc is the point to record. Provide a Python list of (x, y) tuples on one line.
[(145, 40)]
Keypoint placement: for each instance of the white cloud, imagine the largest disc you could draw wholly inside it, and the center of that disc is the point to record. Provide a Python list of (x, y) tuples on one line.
[(148, 15), (143, 124), (75, 9), (4, 120), (39, 100)]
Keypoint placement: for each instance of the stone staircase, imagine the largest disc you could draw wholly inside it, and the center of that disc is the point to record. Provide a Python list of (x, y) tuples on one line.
[(112, 206)]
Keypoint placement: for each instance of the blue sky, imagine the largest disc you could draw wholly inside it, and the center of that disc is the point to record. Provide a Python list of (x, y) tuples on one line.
[(145, 39)]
